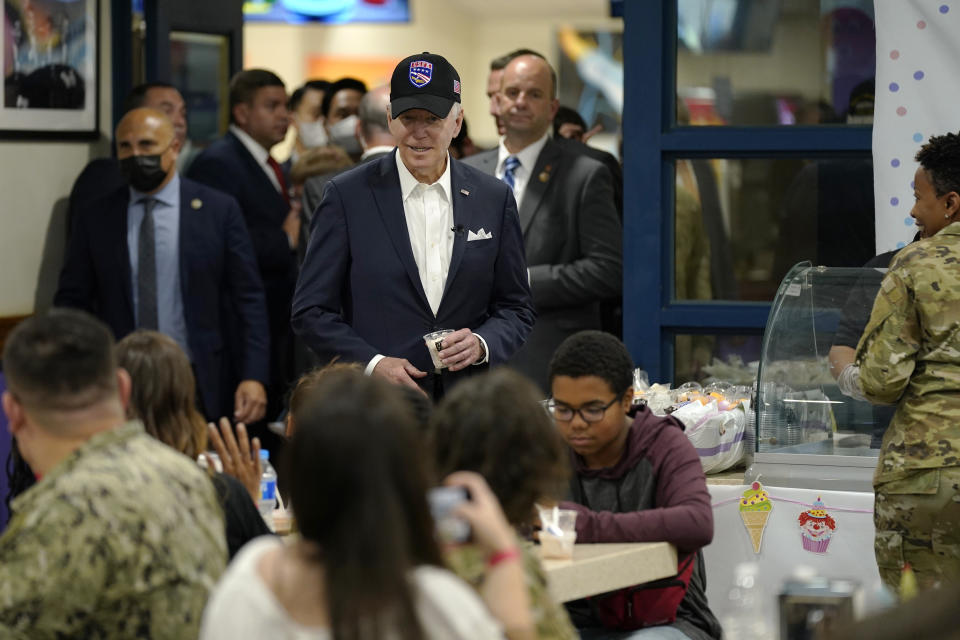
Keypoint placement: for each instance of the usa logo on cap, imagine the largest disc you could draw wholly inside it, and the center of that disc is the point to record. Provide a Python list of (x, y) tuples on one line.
[(421, 72)]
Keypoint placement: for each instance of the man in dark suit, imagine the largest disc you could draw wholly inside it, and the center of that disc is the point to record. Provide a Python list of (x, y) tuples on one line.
[(413, 243), (571, 229), (240, 165), (172, 255)]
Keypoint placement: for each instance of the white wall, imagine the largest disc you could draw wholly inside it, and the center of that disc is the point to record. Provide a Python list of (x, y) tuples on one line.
[(468, 36), (33, 177)]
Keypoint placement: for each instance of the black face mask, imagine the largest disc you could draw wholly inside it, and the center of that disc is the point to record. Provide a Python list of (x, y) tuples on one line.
[(143, 173)]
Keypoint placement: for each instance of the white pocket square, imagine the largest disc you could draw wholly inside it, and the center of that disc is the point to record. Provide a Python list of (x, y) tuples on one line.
[(479, 235)]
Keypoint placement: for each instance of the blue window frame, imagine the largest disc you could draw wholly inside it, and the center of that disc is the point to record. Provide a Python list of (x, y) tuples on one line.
[(652, 144)]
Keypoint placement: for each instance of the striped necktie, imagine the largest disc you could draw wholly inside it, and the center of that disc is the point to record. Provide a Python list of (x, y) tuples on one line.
[(510, 166)]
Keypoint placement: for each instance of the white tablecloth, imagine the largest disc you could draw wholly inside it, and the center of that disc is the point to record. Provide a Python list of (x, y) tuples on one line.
[(850, 554)]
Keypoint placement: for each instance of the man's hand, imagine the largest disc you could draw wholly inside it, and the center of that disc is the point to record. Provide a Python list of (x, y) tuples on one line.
[(291, 225), (399, 371), (239, 456), (250, 401), (460, 349)]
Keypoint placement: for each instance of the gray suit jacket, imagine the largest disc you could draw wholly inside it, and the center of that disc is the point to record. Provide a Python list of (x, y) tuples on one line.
[(574, 246)]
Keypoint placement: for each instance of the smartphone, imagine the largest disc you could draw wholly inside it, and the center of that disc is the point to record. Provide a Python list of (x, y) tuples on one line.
[(450, 528)]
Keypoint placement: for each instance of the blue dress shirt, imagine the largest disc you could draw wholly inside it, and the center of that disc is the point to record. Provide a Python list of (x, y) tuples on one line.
[(166, 224)]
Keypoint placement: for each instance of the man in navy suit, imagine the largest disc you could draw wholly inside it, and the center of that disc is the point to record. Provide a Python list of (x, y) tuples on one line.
[(172, 255), (240, 165), (412, 243)]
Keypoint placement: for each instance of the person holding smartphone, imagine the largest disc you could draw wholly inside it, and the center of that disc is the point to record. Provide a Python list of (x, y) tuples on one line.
[(367, 564)]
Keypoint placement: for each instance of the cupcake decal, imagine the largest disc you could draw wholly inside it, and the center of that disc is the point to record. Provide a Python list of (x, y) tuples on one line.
[(755, 508), (816, 528)]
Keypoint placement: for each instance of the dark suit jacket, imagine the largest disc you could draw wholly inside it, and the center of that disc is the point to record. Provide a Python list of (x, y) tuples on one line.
[(100, 176), (227, 166), (573, 242), (609, 161), (216, 267), (360, 294)]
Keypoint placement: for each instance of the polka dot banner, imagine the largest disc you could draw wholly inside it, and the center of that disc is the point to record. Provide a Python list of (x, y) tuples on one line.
[(918, 86)]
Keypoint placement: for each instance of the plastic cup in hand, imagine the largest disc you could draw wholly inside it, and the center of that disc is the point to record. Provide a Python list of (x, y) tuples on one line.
[(434, 342)]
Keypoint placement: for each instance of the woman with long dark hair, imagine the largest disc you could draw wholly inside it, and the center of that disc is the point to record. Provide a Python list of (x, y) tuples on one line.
[(367, 565), (163, 397)]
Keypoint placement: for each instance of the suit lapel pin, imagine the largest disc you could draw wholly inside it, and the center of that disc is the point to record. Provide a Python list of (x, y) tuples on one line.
[(545, 174), (464, 192), (196, 203)]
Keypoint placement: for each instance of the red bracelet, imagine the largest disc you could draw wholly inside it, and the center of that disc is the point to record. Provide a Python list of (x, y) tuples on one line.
[(504, 555)]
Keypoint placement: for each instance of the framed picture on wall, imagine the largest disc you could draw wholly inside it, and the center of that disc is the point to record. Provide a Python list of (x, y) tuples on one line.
[(50, 66)]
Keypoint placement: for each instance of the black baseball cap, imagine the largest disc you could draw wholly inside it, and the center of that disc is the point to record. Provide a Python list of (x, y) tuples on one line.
[(424, 81)]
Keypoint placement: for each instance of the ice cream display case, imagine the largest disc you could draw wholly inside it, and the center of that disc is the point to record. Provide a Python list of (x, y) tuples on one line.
[(807, 432)]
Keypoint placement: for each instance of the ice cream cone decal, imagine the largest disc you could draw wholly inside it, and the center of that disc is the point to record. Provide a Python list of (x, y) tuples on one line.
[(816, 528), (755, 509)]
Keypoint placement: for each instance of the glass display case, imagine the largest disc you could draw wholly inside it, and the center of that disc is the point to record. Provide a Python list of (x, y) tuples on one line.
[(807, 433)]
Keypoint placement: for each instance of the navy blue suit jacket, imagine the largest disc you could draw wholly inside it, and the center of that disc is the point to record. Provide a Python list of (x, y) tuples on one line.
[(218, 274), (227, 166), (359, 292)]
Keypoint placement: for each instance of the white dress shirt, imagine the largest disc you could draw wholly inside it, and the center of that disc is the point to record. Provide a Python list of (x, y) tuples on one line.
[(428, 209), (528, 160), (429, 213), (259, 154)]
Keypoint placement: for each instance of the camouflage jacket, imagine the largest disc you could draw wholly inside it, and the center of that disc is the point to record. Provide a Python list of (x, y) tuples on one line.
[(909, 355), (122, 539), (552, 621)]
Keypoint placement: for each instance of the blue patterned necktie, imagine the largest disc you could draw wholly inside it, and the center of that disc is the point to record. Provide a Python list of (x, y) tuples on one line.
[(510, 165)]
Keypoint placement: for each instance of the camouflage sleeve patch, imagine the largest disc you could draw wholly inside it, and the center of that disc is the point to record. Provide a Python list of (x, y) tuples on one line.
[(890, 341)]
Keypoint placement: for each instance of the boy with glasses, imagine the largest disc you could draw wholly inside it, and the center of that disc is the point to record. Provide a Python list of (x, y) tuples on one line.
[(636, 478)]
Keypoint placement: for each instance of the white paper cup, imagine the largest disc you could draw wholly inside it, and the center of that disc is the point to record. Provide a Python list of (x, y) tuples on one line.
[(434, 342)]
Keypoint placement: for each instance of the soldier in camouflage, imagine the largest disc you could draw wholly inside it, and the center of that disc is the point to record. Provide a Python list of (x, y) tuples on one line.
[(122, 536), (909, 355)]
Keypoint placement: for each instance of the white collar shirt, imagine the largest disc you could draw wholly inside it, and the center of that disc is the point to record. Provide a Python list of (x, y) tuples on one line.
[(528, 160), (259, 154), (428, 210)]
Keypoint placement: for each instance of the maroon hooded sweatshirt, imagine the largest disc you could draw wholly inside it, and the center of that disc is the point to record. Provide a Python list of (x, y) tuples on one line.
[(657, 492)]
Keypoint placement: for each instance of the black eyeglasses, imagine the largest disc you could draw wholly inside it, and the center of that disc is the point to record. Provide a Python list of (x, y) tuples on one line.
[(593, 413)]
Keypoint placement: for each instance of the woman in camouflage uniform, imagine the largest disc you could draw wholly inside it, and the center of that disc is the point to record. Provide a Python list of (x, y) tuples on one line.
[(909, 355)]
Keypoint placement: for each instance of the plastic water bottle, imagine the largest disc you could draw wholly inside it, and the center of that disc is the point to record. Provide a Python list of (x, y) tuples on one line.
[(745, 619), (268, 487)]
